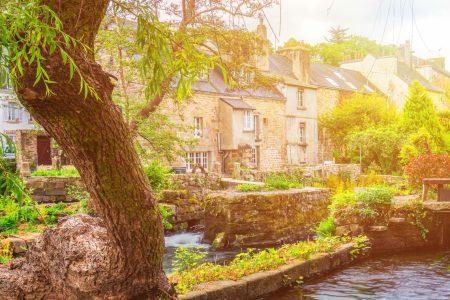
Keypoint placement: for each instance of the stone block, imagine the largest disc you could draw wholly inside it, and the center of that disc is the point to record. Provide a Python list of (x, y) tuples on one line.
[(263, 283), (225, 290), (295, 270), (378, 228), (320, 264), (195, 295)]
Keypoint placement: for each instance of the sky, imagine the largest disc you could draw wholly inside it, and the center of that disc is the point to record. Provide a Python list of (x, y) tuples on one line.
[(385, 21)]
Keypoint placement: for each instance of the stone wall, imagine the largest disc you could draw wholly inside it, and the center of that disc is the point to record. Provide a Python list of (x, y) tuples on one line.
[(260, 219), (51, 189), (186, 208), (196, 181), (323, 171)]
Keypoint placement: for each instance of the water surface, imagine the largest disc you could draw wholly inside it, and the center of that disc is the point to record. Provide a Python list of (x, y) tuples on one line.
[(404, 276)]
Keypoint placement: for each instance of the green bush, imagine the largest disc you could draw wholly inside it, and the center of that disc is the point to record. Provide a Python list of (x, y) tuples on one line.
[(158, 174), (64, 172), (166, 214), (188, 258), (326, 228), (247, 187)]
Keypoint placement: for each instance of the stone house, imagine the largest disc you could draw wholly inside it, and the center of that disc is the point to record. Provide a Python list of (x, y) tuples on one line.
[(333, 85), (231, 126), (392, 75)]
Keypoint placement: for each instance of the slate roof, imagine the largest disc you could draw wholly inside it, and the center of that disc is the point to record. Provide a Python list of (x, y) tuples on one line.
[(408, 75), (237, 103), (280, 65), (216, 84), (340, 79)]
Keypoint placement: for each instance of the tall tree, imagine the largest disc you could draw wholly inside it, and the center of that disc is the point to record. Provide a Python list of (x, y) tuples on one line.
[(49, 51), (337, 35)]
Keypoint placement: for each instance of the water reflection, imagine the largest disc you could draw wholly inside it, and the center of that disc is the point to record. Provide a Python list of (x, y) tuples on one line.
[(406, 276)]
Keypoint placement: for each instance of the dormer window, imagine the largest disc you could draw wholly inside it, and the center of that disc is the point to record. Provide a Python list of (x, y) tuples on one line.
[(243, 76)]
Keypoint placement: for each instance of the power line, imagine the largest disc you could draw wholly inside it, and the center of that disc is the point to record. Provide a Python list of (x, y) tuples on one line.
[(420, 35), (271, 28)]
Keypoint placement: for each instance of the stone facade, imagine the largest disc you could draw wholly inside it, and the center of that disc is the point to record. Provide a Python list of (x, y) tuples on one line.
[(260, 219), (269, 148)]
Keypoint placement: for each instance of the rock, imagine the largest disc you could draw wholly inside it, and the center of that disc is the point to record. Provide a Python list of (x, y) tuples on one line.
[(378, 228)]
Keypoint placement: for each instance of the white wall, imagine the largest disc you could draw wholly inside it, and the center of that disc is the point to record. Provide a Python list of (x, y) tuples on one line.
[(296, 116), (7, 97)]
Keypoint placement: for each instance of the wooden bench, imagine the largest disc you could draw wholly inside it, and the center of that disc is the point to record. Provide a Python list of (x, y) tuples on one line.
[(443, 193)]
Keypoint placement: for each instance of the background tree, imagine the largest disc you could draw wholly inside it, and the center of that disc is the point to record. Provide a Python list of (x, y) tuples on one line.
[(420, 122), (49, 52), (337, 35)]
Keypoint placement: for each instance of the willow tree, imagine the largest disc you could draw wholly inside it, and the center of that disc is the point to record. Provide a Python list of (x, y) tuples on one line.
[(49, 50)]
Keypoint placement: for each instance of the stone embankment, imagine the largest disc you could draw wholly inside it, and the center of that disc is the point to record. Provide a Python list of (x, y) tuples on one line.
[(262, 283), (258, 219), (51, 189)]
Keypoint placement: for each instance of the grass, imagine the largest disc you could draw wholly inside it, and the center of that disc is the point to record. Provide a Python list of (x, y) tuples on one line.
[(65, 172), (251, 262)]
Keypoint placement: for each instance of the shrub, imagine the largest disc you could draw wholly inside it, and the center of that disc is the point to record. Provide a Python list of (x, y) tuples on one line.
[(371, 179), (326, 228), (157, 174), (64, 172), (188, 258), (166, 213), (282, 182), (427, 166), (247, 187)]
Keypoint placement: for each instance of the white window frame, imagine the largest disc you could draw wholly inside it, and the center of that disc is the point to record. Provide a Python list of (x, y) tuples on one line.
[(198, 126), (300, 99), (302, 133), (197, 159), (249, 120), (254, 157), (12, 112)]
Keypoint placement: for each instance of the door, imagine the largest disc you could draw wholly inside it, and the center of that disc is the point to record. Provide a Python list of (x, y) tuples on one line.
[(43, 150)]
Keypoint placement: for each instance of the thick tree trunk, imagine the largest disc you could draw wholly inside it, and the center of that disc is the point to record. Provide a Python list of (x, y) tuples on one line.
[(97, 140)]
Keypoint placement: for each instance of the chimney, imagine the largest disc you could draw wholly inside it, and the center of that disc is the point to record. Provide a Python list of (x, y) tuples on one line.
[(299, 56), (404, 53), (262, 60)]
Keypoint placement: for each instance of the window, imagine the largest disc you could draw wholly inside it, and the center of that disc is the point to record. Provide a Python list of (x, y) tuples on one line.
[(300, 99), (243, 76), (254, 156), (302, 134), (204, 75), (196, 159), (12, 113), (198, 126), (249, 121)]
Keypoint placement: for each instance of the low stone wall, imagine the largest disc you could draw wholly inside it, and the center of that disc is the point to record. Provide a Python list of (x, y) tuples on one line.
[(263, 283), (186, 208), (51, 189), (410, 226), (260, 219), (196, 181), (386, 179), (323, 171)]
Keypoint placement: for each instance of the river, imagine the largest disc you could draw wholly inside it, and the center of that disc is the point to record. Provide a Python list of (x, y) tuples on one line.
[(401, 276)]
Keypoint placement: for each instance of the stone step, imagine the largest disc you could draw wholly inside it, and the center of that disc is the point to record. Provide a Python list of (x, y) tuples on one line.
[(395, 220), (19, 244), (378, 228)]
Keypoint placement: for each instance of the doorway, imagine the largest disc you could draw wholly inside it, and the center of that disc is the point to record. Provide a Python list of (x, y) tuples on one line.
[(43, 150)]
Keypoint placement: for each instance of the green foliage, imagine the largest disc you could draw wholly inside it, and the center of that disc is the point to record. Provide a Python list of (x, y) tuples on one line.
[(188, 258), (370, 205), (341, 47), (252, 261), (274, 181), (427, 166), (419, 119), (64, 172), (166, 213), (247, 187), (5, 253), (158, 174), (326, 228), (379, 148), (37, 34), (357, 114), (80, 195)]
